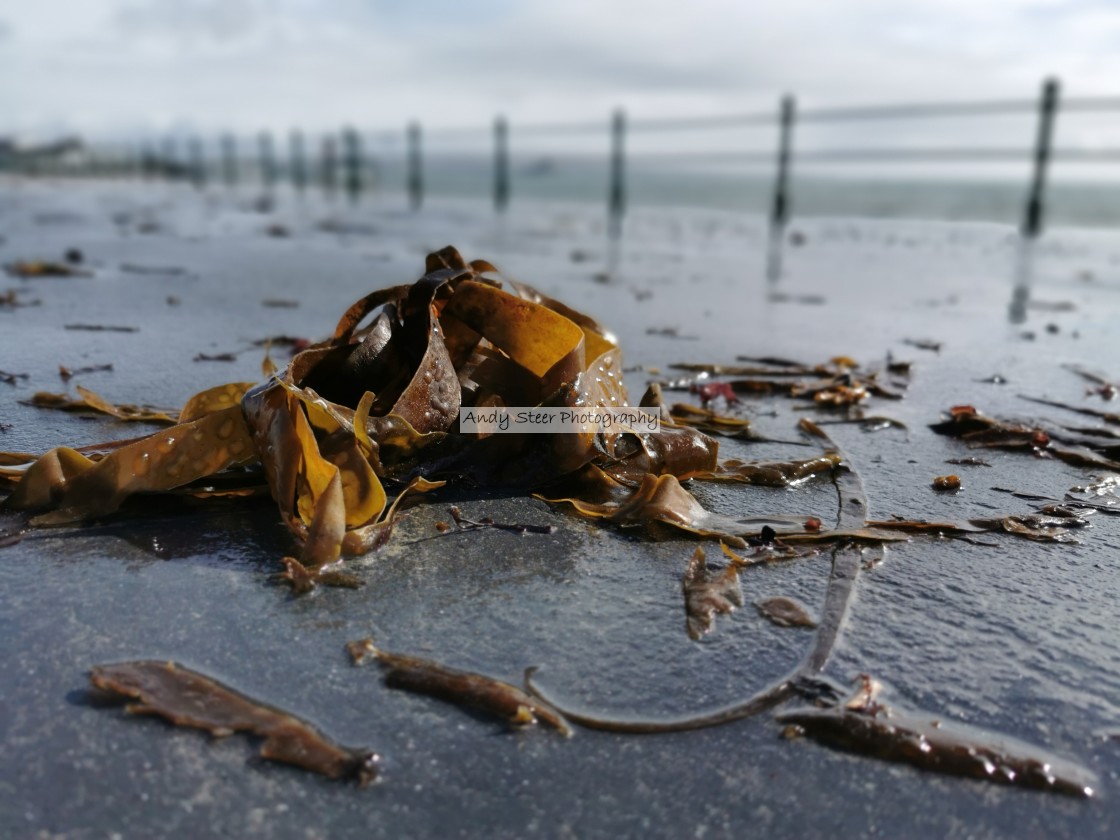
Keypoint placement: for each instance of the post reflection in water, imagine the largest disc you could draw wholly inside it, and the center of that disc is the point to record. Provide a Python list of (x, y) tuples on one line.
[(1023, 279)]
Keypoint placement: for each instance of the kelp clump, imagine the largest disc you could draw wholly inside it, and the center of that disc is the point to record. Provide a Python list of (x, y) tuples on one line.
[(376, 406)]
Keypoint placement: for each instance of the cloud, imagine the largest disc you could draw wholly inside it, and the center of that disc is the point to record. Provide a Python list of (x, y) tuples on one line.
[(101, 64)]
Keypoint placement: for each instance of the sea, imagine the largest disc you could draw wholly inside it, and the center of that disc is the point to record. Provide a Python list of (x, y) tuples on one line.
[(1071, 199)]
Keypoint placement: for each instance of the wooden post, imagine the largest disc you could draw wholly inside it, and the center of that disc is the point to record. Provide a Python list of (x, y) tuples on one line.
[(197, 163), (266, 153), (779, 208), (170, 163), (616, 194), (1047, 111), (297, 161), (501, 165), (147, 162), (415, 167), (353, 163), (229, 160), (328, 162)]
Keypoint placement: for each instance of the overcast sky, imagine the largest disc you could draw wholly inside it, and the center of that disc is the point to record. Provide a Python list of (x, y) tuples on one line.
[(141, 65)]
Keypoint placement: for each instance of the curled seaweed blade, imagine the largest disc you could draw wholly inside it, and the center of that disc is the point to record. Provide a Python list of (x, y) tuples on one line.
[(214, 399), (162, 461), (773, 473), (91, 401), (188, 698)]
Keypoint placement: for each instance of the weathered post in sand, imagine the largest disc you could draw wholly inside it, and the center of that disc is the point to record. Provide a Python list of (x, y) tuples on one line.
[(616, 192), (501, 164), (169, 162), (415, 167), (266, 153), (228, 145), (297, 161), (328, 163), (353, 164), (197, 163), (779, 207), (1047, 111)]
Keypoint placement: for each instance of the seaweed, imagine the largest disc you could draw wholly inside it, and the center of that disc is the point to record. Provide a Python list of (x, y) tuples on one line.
[(462, 687), (708, 593), (188, 698), (785, 612), (867, 726)]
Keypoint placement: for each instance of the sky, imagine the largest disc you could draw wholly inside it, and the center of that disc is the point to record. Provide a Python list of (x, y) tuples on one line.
[(140, 66)]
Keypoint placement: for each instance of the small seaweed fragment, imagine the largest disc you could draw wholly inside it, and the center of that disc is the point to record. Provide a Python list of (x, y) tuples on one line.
[(188, 698), (873, 423), (1104, 388), (11, 300), (215, 357), (1107, 416), (12, 378), (946, 482), (465, 524), (66, 373), (924, 344), (28, 269), (785, 612), (168, 270), (711, 422), (93, 402), (1108, 485), (463, 687), (979, 430), (968, 462), (101, 328), (867, 726), (708, 593)]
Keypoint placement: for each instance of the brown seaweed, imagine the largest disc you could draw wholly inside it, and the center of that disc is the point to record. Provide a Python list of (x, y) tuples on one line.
[(847, 561), (465, 524), (1105, 388), (91, 401), (462, 687), (1107, 416), (981, 431), (785, 612), (945, 483), (867, 726), (101, 328), (66, 373), (377, 404), (28, 269), (708, 593), (188, 698)]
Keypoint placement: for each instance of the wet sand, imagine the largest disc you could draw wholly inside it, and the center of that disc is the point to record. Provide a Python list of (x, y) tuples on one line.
[(1019, 638)]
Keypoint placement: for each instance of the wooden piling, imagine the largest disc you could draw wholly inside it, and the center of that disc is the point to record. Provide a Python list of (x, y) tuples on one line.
[(328, 165), (501, 164), (415, 167), (616, 192), (1034, 211), (266, 161), (228, 144), (780, 205), (353, 163), (297, 161), (197, 163)]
